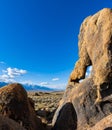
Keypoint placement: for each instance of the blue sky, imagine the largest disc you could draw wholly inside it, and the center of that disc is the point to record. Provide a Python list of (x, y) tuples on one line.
[(39, 38)]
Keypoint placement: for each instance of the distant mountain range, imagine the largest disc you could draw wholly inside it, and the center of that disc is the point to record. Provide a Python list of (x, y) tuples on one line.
[(30, 87)]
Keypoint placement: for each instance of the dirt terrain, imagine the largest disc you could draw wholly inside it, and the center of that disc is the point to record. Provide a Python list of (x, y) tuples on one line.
[(45, 104)]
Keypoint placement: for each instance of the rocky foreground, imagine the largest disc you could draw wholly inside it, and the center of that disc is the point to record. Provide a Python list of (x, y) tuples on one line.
[(45, 104), (85, 105), (31, 111)]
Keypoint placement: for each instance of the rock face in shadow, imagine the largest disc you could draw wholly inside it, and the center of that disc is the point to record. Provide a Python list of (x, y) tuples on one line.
[(8, 124), (67, 118), (15, 105), (92, 98)]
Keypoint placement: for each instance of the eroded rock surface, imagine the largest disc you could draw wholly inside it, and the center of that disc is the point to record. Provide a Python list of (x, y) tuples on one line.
[(95, 48), (91, 98), (104, 124), (15, 104), (8, 124)]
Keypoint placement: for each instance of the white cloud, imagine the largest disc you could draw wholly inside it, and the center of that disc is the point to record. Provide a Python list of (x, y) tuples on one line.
[(27, 82), (13, 72), (10, 74), (57, 86), (6, 78), (43, 83), (55, 79)]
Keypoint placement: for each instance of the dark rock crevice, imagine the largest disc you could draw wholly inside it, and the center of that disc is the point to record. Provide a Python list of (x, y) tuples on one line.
[(67, 118)]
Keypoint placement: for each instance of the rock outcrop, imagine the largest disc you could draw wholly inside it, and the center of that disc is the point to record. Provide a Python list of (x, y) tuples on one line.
[(87, 104), (104, 124), (15, 105), (8, 124)]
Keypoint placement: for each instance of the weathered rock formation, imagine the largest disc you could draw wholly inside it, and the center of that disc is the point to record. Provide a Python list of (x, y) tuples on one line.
[(86, 103), (8, 124), (15, 105), (104, 124)]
